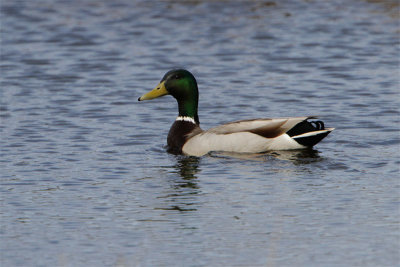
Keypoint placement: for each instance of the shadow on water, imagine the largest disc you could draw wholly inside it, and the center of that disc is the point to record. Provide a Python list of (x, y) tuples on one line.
[(298, 157)]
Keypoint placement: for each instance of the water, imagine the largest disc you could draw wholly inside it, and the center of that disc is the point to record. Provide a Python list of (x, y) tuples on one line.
[(86, 180)]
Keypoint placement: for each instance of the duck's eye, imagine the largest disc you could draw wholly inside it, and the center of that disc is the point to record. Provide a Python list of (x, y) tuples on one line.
[(177, 76)]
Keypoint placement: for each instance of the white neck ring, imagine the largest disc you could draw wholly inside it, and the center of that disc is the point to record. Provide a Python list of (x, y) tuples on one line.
[(185, 118)]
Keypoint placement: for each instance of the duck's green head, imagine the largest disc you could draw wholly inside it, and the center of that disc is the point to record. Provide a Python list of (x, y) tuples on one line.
[(182, 85)]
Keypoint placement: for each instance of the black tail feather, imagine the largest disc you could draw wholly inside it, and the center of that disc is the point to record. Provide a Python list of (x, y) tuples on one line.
[(310, 141), (306, 127)]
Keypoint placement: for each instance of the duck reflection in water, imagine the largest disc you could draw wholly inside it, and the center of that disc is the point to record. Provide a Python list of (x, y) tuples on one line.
[(185, 187), (188, 167)]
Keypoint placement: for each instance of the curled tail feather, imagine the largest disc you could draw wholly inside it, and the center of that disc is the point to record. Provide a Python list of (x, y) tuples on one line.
[(309, 133)]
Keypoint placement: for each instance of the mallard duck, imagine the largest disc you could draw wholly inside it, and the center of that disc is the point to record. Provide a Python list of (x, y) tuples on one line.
[(245, 136)]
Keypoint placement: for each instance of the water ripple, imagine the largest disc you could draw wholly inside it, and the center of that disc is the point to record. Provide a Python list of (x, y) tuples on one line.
[(84, 166)]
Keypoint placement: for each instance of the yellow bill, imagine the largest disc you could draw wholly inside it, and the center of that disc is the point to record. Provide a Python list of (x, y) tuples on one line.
[(158, 91)]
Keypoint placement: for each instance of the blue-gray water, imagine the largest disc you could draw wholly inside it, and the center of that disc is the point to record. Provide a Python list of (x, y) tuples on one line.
[(86, 180)]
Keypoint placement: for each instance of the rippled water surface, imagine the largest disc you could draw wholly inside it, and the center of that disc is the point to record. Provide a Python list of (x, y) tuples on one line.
[(85, 178)]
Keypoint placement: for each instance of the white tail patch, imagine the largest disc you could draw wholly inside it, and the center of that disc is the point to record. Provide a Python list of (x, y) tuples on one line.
[(313, 133)]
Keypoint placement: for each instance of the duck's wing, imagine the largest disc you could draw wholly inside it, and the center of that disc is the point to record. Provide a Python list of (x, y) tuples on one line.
[(268, 128)]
